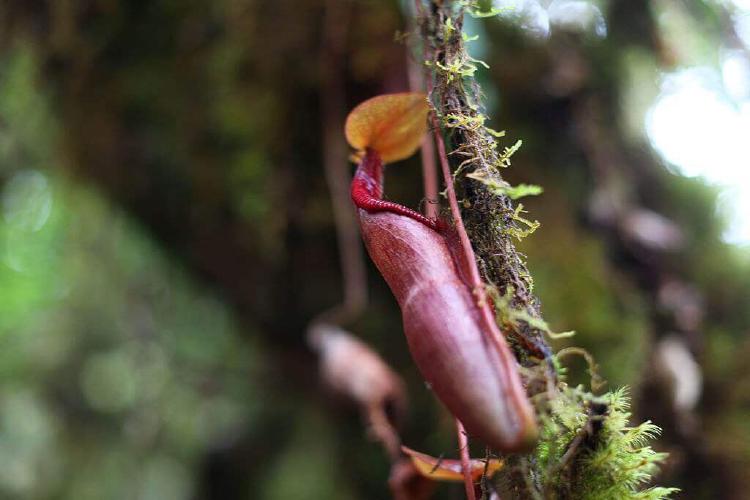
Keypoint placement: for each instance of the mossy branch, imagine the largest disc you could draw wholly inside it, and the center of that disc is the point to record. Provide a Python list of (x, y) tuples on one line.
[(587, 449)]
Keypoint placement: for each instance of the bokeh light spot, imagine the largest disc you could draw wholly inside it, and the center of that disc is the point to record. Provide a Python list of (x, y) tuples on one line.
[(701, 132)]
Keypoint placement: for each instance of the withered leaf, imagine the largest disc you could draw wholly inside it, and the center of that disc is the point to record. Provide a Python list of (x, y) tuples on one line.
[(443, 469)]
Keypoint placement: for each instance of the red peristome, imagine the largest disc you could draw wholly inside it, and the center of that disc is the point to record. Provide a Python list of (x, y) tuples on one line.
[(367, 191)]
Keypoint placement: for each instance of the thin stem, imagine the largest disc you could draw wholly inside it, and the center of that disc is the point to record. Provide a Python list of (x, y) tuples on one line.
[(463, 449), (429, 176), (336, 166), (515, 395), (475, 279), (417, 78)]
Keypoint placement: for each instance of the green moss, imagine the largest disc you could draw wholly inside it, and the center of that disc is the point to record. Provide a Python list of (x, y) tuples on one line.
[(587, 450)]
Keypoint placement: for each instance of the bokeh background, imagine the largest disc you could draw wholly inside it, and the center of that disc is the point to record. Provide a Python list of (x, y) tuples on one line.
[(167, 233)]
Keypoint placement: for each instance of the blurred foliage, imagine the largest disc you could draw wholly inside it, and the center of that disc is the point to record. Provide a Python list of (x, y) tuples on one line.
[(581, 291), (166, 234), (118, 373)]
